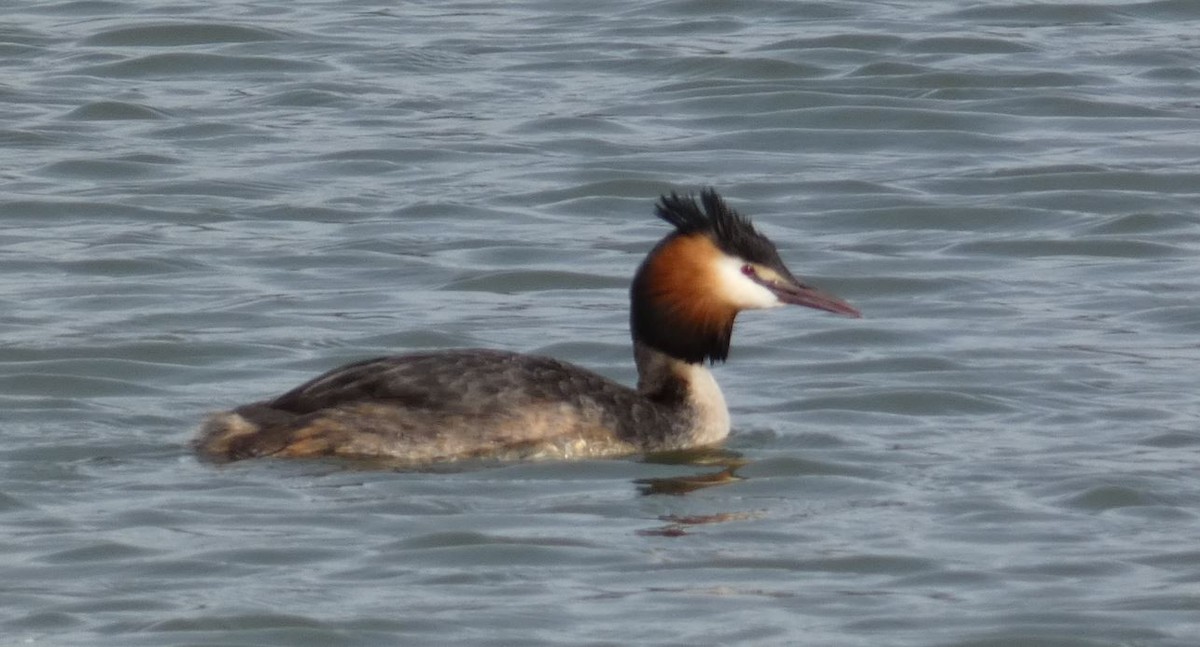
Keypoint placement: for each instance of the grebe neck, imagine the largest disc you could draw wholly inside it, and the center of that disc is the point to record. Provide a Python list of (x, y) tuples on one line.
[(687, 387)]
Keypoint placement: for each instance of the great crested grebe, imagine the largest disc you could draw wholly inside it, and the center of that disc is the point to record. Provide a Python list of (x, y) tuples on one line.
[(456, 404)]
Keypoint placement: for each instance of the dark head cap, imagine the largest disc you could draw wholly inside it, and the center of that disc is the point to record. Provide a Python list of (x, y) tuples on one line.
[(732, 232)]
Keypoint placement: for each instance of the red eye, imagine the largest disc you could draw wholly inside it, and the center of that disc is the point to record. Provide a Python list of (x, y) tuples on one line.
[(748, 270)]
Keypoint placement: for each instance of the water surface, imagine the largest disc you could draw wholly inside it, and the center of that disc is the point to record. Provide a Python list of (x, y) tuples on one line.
[(206, 204)]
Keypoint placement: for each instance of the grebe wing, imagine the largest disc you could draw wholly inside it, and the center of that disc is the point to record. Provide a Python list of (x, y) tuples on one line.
[(434, 406), (460, 380)]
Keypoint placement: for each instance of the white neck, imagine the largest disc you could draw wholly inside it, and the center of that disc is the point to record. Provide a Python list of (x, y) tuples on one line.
[(705, 419), (712, 416)]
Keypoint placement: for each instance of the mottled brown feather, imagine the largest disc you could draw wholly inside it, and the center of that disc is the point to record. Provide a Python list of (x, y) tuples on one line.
[(446, 405)]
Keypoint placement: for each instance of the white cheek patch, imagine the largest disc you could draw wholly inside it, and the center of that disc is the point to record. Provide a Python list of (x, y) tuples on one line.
[(739, 289)]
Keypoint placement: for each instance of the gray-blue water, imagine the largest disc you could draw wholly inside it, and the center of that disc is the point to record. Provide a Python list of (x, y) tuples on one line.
[(205, 203)]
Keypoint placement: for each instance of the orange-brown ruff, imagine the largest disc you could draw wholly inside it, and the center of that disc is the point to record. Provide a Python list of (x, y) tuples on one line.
[(448, 405)]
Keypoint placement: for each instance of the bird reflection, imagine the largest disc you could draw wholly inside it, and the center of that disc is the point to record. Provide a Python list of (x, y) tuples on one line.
[(727, 461)]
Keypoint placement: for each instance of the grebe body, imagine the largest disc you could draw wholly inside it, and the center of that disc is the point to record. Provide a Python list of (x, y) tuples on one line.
[(448, 405)]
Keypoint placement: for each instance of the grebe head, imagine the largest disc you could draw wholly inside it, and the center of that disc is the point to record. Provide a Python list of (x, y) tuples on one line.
[(688, 291)]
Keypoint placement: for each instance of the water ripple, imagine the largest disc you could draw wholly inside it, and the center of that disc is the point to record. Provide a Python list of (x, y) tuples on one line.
[(183, 64), (180, 34), (205, 206)]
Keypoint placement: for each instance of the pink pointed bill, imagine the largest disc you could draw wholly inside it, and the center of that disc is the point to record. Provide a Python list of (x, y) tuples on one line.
[(810, 297)]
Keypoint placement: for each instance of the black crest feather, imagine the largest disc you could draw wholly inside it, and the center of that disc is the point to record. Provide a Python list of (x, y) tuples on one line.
[(733, 233)]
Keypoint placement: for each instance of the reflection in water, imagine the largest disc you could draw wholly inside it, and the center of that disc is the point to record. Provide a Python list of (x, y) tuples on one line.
[(688, 482), (677, 525), (728, 462)]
